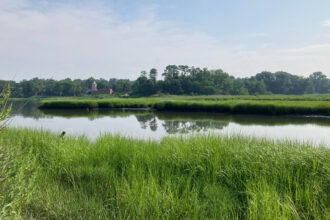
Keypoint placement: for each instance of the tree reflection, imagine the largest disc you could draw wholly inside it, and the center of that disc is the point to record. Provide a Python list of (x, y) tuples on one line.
[(178, 126), (28, 108), (183, 127), (153, 124), (146, 120)]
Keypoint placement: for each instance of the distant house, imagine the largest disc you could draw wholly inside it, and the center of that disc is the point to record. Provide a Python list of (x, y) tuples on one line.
[(96, 91)]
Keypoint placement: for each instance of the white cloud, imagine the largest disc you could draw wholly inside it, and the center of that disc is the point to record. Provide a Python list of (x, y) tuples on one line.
[(302, 61), (83, 41), (80, 40), (326, 23), (10, 4), (316, 50)]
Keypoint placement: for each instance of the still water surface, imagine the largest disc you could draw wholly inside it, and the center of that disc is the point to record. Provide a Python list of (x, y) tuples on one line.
[(155, 125)]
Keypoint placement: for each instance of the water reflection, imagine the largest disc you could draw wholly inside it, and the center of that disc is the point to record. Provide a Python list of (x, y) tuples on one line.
[(154, 124), (177, 126), (146, 116), (27, 108)]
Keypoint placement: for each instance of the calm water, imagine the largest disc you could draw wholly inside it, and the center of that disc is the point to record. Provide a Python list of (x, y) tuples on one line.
[(155, 125)]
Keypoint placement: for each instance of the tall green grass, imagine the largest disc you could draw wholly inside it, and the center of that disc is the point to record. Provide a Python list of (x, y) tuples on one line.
[(238, 106), (204, 177)]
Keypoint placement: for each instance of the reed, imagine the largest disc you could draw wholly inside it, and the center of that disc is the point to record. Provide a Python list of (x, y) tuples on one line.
[(201, 177)]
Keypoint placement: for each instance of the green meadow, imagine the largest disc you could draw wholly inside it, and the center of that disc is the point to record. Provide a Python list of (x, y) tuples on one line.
[(44, 176), (266, 105)]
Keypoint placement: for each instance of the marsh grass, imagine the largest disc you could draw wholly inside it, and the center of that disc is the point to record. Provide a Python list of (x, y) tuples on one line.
[(237, 106), (202, 177)]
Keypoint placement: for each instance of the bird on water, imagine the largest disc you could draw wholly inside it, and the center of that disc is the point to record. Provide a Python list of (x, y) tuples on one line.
[(62, 134)]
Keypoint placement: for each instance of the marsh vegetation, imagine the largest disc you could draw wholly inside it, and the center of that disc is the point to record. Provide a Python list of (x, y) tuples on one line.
[(46, 175), (265, 105), (197, 177)]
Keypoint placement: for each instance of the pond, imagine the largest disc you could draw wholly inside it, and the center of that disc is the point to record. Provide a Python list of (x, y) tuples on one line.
[(155, 125)]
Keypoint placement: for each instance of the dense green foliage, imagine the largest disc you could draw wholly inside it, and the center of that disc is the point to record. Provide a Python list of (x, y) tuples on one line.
[(205, 177), (277, 105), (179, 80)]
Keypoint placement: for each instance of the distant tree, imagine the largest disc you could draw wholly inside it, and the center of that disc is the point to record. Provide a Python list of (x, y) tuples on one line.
[(143, 74), (184, 69), (310, 87), (87, 84), (153, 75), (102, 83), (180, 79), (29, 88), (320, 82), (171, 72), (238, 88), (172, 86), (269, 79), (122, 86), (255, 87), (143, 86)]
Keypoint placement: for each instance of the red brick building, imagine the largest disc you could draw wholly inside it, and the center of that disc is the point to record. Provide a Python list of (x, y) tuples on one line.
[(102, 91), (96, 91)]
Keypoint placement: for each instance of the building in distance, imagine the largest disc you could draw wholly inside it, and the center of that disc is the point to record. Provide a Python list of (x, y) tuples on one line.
[(96, 91)]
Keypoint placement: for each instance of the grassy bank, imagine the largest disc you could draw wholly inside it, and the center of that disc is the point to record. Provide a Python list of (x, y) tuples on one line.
[(311, 97), (49, 177), (230, 105)]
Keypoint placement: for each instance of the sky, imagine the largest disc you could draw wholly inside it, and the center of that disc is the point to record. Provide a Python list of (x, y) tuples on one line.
[(120, 38)]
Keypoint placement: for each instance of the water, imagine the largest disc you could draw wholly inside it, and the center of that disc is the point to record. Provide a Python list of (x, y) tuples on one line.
[(155, 125)]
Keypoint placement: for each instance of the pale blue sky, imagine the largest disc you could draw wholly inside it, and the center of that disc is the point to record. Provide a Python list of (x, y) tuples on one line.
[(119, 38), (236, 21)]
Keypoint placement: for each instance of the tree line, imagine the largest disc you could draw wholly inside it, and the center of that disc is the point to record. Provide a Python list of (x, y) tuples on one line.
[(178, 80)]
